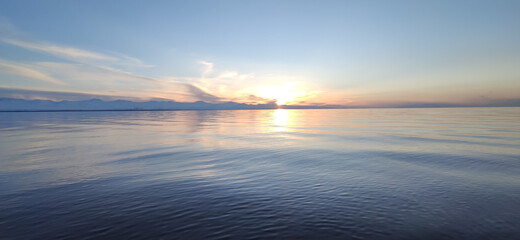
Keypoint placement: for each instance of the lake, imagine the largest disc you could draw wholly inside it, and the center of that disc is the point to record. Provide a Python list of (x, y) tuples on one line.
[(435, 173)]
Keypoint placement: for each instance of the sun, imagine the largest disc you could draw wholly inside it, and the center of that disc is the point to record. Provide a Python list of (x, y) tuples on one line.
[(280, 101), (283, 99), (284, 94)]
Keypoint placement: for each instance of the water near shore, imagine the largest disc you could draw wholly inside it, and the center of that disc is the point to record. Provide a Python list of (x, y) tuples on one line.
[(328, 174)]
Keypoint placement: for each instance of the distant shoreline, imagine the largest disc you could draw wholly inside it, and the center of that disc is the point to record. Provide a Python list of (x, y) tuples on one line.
[(291, 108), (23, 105)]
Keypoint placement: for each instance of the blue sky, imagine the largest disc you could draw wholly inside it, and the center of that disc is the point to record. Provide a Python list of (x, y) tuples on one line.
[(295, 52)]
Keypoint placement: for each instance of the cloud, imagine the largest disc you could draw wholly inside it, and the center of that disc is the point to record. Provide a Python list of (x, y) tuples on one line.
[(59, 51), (127, 74), (228, 74), (208, 70), (125, 60), (77, 71), (76, 54), (18, 69), (95, 77), (201, 94), (106, 80), (88, 71), (55, 95), (255, 99)]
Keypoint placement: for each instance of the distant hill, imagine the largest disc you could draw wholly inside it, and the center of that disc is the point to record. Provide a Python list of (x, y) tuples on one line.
[(12, 104), (23, 105)]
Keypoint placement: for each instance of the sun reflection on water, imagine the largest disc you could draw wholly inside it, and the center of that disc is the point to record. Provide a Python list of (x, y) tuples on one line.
[(280, 120)]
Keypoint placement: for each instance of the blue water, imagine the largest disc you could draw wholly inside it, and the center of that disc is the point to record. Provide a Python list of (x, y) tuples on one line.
[(329, 174)]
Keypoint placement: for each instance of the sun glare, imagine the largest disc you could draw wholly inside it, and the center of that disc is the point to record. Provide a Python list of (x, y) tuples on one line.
[(284, 94)]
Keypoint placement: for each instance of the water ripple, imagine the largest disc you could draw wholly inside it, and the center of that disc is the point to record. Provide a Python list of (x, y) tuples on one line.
[(332, 174)]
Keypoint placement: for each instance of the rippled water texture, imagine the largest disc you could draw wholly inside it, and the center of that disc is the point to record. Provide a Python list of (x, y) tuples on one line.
[(345, 174)]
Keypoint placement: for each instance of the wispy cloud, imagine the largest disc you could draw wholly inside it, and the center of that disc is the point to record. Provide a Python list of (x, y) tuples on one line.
[(89, 71), (23, 70), (92, 77), (126, 73), (76, 54), (208, 68), (59, 51), (82, 69), (109, 81), (56, 95), (125, 60)]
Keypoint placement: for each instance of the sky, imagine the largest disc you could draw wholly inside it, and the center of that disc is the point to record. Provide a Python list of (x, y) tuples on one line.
[(362, 53)]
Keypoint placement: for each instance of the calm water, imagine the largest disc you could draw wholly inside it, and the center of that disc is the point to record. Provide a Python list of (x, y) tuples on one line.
[(345, 174)]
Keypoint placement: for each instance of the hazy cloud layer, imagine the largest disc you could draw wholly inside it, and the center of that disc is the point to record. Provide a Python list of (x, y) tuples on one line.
[(55, 95), (59, 51), (19, 69)]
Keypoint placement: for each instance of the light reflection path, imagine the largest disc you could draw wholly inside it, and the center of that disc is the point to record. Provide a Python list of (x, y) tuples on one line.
[(280, 120)]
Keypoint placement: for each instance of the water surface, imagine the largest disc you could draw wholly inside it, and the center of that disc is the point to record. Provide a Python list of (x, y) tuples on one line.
[(331, 174)]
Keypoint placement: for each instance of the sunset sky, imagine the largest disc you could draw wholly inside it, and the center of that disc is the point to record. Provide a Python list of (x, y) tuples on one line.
[(293, 52)]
